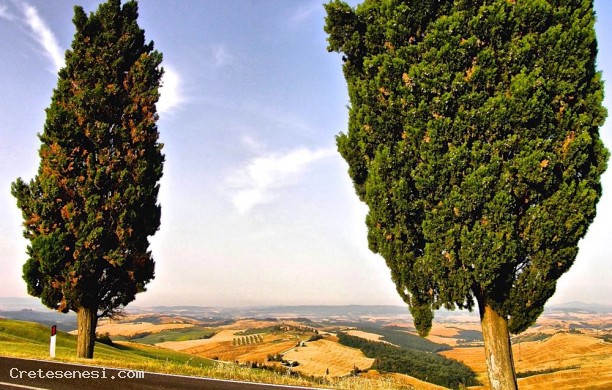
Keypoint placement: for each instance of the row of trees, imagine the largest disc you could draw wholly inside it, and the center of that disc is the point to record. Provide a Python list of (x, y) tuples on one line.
[(246, 340), (402, 338)]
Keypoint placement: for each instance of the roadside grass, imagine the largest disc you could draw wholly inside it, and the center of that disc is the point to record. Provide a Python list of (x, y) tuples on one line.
[(31, 340)]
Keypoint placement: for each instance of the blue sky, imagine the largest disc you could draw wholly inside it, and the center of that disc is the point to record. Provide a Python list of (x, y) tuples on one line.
[(257, 207)]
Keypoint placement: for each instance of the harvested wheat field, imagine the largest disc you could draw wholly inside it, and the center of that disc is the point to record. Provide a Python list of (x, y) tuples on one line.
[(416, 383), (319, 356), (367, 336), (581, 361), (226, 335), (229, 346), (133, 328), (250, 324), (272, 345), (443, 334)]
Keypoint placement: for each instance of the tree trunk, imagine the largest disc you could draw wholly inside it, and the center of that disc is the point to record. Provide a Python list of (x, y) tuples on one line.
[(87, 321), (498, 349)]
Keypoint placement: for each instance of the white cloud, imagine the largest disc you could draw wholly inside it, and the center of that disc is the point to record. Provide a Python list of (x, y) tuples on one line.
[(170, 91), (264, 176), (305, 11), (44, 36), (6, 14), (252, 144), (221, 55)]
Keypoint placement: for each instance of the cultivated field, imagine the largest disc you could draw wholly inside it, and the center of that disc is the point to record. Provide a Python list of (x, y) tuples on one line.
[(563, 350), (576, 361), (223, 336), (232, 351), (317, 357), (134, 328), (367, 336)]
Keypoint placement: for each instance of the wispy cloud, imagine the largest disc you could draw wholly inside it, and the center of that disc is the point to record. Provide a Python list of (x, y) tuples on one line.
[(171, 96), (221, 55), (171, 93), (6, 14), (43, 35), (304, 12), (262, 178)]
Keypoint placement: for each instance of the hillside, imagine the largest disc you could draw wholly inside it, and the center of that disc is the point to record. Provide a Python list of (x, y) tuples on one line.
[(569, 346), (27, 339), (562, 361), (31, 340)]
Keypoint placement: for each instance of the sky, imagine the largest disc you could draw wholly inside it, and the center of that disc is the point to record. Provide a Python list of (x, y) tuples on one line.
[(257, 206)]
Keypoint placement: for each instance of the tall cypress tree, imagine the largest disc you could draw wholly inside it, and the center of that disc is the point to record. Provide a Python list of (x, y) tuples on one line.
[(93, 203), (473, 137)]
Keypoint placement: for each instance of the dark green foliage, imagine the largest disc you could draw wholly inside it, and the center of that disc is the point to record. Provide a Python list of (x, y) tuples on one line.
[(93, 204), (407, 340), (426, 366), (266, 329), (527, 337), (315, 337), (104, 338), (525, 374), (473, 138), (275, 358), (469, 336)]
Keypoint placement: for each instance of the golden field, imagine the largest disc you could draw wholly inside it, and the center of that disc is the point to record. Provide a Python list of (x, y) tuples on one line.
[(582, 362), (256, 352), (367, 336), (317, 357), (570, 352), (134, 328)]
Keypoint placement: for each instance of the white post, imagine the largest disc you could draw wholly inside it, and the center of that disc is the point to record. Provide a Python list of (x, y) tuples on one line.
[(53, 341)]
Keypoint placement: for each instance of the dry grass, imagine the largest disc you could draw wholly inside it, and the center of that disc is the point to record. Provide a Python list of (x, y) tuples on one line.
[(415, 383), (381, 382), (245, 353), (134, 328), (221, 346), (443, 334), (221, 337), (367, 336), (250, 324), (319, 356), (582, 361)]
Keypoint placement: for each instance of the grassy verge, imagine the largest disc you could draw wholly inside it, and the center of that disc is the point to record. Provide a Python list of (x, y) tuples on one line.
[(31, 340)]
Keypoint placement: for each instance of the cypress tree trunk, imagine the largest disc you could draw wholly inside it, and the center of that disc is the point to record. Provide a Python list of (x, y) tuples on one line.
[(87, 320), (498, 349)]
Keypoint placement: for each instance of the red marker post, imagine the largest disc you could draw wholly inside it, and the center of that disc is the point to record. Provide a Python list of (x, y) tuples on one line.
[(52, 342)]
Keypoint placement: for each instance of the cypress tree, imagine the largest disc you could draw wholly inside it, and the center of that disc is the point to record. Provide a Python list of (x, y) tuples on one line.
[(473, 137), (93, 204)]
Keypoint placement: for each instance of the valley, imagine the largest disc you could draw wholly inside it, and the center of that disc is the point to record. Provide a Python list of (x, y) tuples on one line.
[(569, 347)]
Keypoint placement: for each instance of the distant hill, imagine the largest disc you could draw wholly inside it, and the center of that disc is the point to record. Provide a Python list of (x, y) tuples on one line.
[(579, 307), (30, 309)]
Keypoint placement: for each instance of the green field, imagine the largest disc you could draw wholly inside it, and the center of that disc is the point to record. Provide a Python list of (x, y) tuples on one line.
[(183, 334), (28, 339)]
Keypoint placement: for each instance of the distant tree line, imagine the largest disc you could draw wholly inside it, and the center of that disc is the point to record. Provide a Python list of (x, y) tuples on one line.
[(525, 374), (426, 366), (407, 340)]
